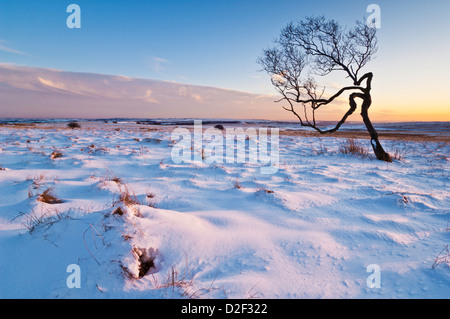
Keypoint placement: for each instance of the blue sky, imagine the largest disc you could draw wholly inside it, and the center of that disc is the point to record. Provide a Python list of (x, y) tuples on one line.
[(216, 43), (202, 42)]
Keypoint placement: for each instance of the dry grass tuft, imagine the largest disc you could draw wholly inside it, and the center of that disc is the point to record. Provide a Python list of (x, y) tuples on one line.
[(267, 191), (73, 125), (116, 180), (126, 272), (150, 199), (126, 237), (36, 220), (127, 196), (237, 185), (399, 150), (111, 177), (443, 258), (38, 181), (118, 211), (182, 282), (321, 149), (49, 197), (353, 147), (56, 154), (398, 155)]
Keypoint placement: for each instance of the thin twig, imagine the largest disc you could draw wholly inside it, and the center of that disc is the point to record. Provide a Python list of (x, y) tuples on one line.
[(85, 245)]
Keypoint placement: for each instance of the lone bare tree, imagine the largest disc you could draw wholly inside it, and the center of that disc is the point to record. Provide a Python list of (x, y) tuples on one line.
[(319, 46)]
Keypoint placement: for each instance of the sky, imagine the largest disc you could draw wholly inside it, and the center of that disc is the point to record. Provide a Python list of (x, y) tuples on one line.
[(206, 44)]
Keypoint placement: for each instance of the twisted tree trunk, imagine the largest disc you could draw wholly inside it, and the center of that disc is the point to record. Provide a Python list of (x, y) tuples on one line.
[(367, 102)]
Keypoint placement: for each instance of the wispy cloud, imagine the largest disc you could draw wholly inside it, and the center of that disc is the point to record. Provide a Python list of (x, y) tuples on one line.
[(51, 84), (148, 97), (5, 48), (123, 78), (197, 97), (185, 92), (159, 64)]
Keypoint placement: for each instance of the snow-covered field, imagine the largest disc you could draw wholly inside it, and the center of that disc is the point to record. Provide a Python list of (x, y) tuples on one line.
[(218, 231)]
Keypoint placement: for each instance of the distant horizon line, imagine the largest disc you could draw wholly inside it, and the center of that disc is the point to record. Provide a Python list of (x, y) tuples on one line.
[(196, 118)]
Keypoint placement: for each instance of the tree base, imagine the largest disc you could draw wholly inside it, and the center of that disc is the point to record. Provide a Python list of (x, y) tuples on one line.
[(379, 151)]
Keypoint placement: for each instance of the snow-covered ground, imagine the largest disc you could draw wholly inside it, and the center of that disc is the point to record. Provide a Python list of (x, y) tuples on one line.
[(218, 231)]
